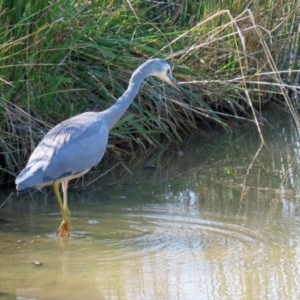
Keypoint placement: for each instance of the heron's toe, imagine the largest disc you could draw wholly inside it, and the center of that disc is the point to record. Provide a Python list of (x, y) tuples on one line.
[(63, 230)]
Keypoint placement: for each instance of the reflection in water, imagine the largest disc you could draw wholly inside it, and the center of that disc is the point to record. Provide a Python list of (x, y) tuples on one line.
[(202, 225)]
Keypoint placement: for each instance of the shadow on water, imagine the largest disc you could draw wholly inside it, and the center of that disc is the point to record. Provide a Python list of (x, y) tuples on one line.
[(201, 221)]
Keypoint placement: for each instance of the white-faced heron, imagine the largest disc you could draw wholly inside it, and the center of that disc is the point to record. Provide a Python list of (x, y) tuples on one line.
[(74, 146)]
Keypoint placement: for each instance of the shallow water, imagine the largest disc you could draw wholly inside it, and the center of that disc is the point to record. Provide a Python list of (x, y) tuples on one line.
[(208, 221)]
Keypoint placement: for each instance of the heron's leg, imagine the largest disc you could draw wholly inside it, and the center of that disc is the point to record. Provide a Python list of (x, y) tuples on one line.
[(57, 194), (64, 184), (63, 229)]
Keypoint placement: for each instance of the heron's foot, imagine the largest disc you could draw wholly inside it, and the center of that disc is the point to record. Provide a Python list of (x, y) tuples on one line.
[(63, 230)]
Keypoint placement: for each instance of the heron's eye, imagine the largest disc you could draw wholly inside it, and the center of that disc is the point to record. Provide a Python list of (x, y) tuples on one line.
[(168, 72)]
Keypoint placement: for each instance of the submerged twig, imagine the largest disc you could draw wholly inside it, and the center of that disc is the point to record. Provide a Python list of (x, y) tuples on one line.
[(119, 163), (6, 200), (248, 170)]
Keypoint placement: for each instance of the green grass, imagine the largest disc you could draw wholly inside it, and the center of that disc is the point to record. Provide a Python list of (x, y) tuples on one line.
[(58, 60)]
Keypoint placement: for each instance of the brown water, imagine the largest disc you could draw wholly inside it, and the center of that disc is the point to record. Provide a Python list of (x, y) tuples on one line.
[(207, 222)]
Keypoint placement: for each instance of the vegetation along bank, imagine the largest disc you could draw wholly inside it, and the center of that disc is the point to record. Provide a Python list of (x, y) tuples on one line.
[(62, 58)]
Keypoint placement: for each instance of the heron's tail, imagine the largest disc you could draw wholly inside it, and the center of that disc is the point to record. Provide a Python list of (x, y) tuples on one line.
[(23, 191), (27, 180)]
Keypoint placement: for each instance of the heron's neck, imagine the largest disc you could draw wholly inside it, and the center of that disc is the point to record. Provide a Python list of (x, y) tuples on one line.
[(113, 114)]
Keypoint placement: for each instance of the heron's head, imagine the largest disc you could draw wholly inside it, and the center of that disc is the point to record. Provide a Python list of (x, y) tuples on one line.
[(161, 69)]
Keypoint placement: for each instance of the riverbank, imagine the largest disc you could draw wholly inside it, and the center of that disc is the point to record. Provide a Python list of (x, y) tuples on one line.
[(62, 59)]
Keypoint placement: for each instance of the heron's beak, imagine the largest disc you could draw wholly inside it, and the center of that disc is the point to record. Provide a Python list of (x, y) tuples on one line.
[(172, 81)]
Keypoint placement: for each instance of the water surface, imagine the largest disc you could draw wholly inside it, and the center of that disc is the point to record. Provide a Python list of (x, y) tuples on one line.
[(208, 219)]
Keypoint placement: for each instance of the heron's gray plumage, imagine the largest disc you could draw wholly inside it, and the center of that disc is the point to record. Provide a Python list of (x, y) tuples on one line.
[(63, 151)]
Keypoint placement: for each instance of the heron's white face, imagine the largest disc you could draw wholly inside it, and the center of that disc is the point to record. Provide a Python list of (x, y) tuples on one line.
[(165, 74)]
